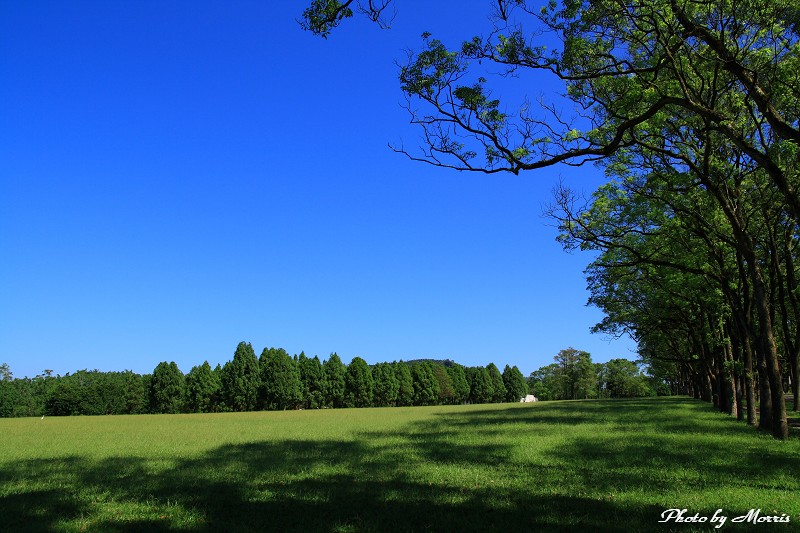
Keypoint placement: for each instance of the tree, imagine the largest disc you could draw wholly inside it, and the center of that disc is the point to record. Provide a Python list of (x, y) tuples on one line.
[(359, 384), (135, 393), (387, 386), (335, 372), (5, 372), (444, 383), (515, 385), (167, 388), (498, 387), (280, 380), (426, 388), (542, 383), (459, 382), (622, 379), (575, 378), (240, 379), (8, 398), (312, 381), (202, 389), (480, 385), (405, 390)]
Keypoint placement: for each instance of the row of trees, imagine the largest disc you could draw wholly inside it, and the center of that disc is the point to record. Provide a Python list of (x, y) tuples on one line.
[(692, 107), (273, 381), (573, 376)]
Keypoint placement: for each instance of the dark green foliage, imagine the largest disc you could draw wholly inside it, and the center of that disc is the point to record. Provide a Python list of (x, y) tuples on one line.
[(514, 381), (480, 385), (71, 396), (240, 379), (387, 386), (573, 376), (621, 378), (280, 380), (167, 388), (498, 387), (312, 381), (576, 377), (8, 398), (358, 384), (334, 381), (405, 383), (426, 388), (32, 393), (202, 389), (446, 394), (542, 383), (460, 384)]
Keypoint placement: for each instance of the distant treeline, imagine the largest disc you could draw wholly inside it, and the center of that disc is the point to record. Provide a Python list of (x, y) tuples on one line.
[(273, 381), (276, 381)]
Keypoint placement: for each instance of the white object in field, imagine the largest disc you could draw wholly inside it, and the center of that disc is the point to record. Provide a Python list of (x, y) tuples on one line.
[(528, 399)]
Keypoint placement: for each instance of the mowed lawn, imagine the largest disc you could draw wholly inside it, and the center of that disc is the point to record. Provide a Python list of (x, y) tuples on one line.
[(586, 465)]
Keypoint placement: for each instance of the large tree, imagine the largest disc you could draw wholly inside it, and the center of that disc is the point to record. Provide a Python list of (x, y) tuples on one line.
[(280, 380), (515, 384), (359, 384), (167, 388), (312, 381), (202, 389), (387, 386), (335, 372), (240, 379)]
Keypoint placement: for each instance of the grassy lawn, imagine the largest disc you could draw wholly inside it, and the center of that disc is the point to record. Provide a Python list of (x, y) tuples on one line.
[(591, 465)]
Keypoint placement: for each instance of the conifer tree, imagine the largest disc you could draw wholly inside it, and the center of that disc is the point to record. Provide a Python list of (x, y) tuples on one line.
[(358, 384), (240, 379), (167, 388), (280, 380), (334, 371)]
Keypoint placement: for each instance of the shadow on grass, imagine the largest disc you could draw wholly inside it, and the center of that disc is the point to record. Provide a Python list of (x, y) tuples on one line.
[(409, 480), (288, 486)]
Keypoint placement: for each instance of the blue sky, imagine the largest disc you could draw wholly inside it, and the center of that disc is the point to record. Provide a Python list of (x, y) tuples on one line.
[(176, 177)]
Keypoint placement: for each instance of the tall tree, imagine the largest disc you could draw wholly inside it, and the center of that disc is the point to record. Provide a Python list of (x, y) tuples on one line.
[(446, 393), (426, 388), (335, 372), (312, 381), (280, 380), (240, 379), (498, 387), (480, 385), (460, 384), (167, 388), (405, 391), (576, 375), (202, 389), (515, 384), (387, 386), (359, 384)]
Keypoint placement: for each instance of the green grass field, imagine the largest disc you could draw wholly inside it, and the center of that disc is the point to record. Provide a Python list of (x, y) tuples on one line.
[(590, 465)]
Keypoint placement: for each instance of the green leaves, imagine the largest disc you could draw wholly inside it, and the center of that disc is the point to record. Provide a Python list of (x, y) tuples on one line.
[(322, 16), (431, 70)]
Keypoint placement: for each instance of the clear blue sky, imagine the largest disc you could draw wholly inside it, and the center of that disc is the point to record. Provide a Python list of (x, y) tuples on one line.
[(176, 177)]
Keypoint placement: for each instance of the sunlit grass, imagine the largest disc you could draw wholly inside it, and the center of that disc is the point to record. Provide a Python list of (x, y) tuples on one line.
[(596, 465)]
